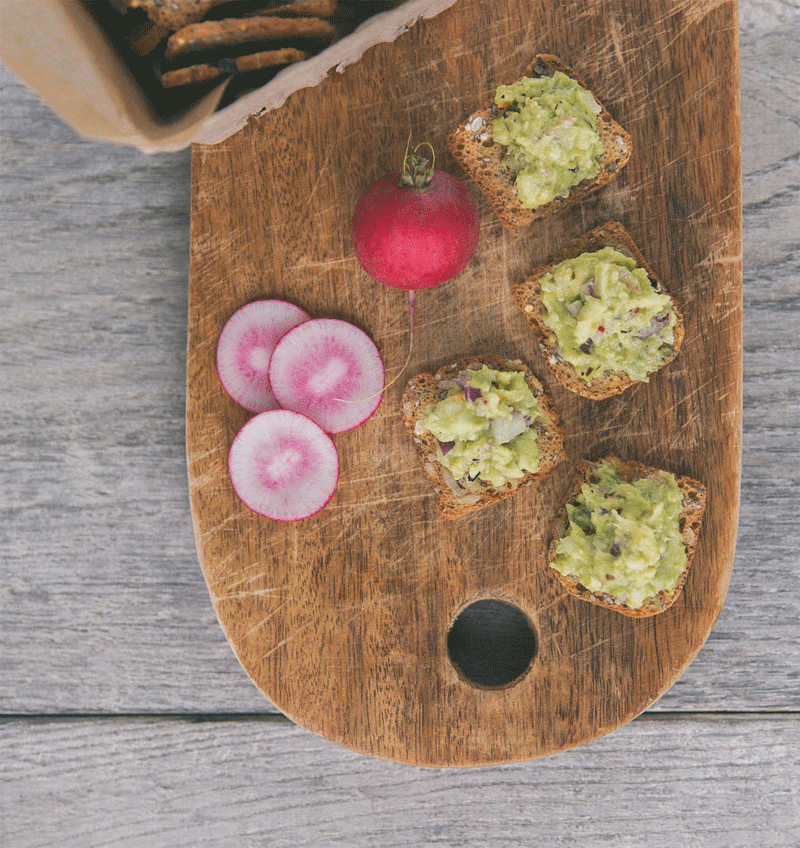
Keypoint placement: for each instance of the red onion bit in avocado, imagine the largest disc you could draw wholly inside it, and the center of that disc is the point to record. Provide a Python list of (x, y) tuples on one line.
[(660, 322)]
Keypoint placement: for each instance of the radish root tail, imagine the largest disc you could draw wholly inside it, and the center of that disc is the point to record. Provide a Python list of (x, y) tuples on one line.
[(412, 299)]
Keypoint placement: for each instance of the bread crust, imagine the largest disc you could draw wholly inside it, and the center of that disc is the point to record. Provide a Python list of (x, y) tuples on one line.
[(471, 144), (691, 517), (424, 389), (528, 296)]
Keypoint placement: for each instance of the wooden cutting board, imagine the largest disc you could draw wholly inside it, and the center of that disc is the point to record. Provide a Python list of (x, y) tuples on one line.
[(342, 620)]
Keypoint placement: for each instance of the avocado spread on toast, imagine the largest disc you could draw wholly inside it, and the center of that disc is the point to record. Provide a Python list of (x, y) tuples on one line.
[(549, 127), (624, 539), (606, 315), (483, 427)]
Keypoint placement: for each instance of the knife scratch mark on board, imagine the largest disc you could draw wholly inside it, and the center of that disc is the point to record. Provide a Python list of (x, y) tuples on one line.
[(609, 640), (248, 578), (212, 531), (689, 426), (305, 263), (249, 593), (377, 476), (284, 641), (266, 619), (318, 177)]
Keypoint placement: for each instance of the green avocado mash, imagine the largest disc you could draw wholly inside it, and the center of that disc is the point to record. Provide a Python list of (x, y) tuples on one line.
[(624, 539), (607, 316), (483, 427), (549, 127)]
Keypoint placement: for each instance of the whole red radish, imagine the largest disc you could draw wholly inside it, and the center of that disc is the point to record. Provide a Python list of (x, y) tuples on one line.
[(415, 229)]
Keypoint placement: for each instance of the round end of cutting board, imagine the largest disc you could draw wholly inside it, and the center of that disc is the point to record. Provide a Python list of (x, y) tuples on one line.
[(378, 623)]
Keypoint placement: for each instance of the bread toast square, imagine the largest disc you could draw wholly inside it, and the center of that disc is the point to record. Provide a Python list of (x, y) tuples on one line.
[(691, 517), (527, 295), (473, 146), (454, 498)]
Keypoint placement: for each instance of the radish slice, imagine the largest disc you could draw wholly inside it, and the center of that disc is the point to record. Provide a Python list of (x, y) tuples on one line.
[(245, 346), (330, 371), (283, 465)]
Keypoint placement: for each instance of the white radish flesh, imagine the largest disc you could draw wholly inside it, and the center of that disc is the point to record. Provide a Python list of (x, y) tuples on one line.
[(245, 346), (283, 466), (329, 370)]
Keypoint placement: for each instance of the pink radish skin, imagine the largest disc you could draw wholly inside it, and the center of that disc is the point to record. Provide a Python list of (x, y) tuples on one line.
[(330, 371), (245, 346), (283, 466), (415, 229)]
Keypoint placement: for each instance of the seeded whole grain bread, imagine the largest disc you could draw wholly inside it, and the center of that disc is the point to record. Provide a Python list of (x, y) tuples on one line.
[(425, 389), (527, 295), (472, 145), (694, 504)]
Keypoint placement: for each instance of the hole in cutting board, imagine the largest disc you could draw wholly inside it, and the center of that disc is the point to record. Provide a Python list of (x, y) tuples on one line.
[(491, 643)]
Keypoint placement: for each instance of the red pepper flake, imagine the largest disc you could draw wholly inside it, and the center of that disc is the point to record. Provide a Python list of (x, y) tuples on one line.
[(601, 329)]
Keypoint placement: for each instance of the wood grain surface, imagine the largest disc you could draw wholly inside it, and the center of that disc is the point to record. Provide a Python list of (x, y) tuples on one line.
[(342, 619), (263, 781)]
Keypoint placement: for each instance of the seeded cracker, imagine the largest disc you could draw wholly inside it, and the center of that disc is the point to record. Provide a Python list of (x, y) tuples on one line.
[(144, 39), (269, 59), (174, 14), (191, 75), (209, 35), (301, 8), (253, 62)]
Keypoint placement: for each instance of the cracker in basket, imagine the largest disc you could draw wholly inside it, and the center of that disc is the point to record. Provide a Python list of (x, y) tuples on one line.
[(176, 14), (191, 75), (254, 62), (301, 8), (210, 35), (270, 59), (144, 39)]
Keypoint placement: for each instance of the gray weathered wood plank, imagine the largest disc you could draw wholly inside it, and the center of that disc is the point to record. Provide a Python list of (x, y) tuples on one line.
[(103, 604), (711, 782)]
